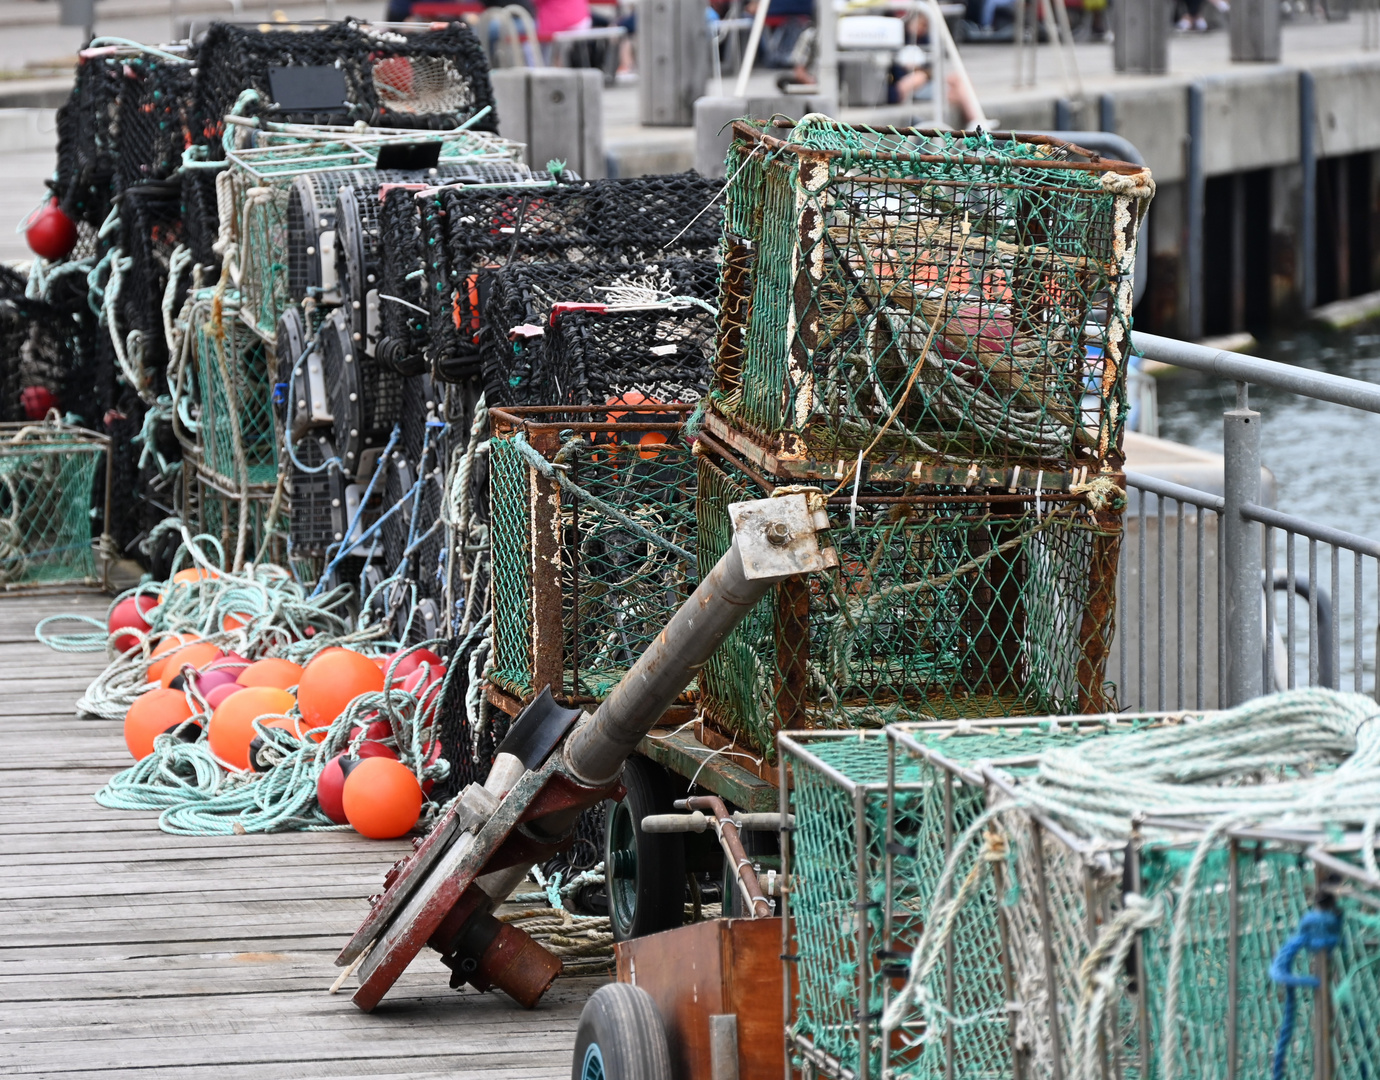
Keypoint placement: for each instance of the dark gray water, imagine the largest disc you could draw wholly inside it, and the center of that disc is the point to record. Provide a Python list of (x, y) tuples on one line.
[(1325, 458)]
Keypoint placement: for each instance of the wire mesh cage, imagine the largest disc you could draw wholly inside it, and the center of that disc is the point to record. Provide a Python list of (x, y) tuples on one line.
[(945, 603), (429, 77), (47, 475), (87, 135), (155, 121), (518, 301), (877, 818), (593, 542), (151, 230), (927, 294), (252, 526), (234, 380), (658, 352)]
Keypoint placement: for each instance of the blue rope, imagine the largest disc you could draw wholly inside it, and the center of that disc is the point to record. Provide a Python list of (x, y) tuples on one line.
[(1317, 931)]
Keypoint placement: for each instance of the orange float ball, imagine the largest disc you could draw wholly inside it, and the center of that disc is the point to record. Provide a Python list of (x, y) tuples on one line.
[(232, 724), (382, 798), (198, 654), (159, 656), (193, 575), (235, 620), (331, 681), (273, 671), (153, 713)]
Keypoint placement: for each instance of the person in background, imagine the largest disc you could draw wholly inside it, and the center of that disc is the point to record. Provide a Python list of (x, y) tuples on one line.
[(554, 16)]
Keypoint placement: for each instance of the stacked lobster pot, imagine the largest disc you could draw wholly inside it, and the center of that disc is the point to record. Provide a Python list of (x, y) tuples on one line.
[(583, 313), (903, 326)]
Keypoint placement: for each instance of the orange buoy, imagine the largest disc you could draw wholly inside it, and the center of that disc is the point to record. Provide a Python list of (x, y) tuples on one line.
[(331, 681), (128, 614), (232, 724), (330, 785), (381, 798), (153, 713), (194, 574), (159, 656), (235, 620), (198, 655), (272, 671)]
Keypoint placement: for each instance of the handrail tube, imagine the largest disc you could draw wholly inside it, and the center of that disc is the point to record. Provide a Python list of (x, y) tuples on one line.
[(1168, 490), (1253, 369), (1324, 534)]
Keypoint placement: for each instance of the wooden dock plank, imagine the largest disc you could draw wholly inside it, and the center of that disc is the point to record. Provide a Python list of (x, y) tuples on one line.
[(128, 951)]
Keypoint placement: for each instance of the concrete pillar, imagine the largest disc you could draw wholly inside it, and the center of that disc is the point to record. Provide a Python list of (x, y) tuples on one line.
[(714, 115), (1140, 36), (557, 112), (1255, 31), (1167, 297), (1287, 264), (673, 56)]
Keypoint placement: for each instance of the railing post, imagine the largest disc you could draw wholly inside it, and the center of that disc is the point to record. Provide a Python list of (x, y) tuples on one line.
[(1241, 550)]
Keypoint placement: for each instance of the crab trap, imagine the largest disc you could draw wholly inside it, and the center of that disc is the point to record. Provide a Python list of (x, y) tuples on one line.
[(518, 302), (926, 294), (31, 376), (593, 535), (47, 476), (876, 819), (945, 603), (430, 76)]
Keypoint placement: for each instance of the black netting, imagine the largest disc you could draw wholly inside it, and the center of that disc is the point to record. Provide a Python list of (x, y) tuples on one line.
[(518, 306), (429, 79), (150, 229), (402, 292), (25, 364), (199, 216), (470, 753), (366, 400), (316, 498), (656, 355), (155, 118), (88, 139), (657, 217)]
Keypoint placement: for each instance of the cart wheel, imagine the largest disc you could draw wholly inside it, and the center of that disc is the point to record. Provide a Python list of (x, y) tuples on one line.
[(645, 872), (621, 1037)]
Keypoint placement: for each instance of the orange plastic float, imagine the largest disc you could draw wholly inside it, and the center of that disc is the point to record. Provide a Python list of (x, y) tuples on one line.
[(232, 724), (194, 574), (331, 681), (198, 655), (272, 671), (153, 713), (168, 644), (330, 785), (381, 798)]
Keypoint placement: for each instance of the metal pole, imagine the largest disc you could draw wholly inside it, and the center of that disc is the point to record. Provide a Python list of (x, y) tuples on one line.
[(1241, 548), (1193, 212), (1308, 195)]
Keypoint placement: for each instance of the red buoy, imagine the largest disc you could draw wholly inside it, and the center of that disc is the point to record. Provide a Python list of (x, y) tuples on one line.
[(37, 402), (51, 233), (128, 614)]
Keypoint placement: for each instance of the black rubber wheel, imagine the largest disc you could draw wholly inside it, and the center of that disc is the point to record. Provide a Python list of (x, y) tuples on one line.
[(644, 872), (621, 1037)]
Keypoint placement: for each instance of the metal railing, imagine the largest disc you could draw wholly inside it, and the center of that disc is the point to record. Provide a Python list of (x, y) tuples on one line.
[(1219, 600)]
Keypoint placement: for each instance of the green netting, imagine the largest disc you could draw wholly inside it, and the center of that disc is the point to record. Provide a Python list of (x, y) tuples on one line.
[(925, 293), (934, 803), (217, 513), (626, 543), (942, 605), (46, 477), (234, 372)]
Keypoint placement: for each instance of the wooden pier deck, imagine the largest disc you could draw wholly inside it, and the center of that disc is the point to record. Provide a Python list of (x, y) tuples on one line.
[(125, 951)]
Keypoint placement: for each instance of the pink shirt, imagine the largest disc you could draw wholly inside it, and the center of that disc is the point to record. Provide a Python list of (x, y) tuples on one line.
[(555, 15)]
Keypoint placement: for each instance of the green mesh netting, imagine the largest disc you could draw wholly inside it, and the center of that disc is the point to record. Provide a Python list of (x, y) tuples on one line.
[(934, 804), (925, 293), (217, 513), (626, 551), (235, 380), (942, 605), (46, 477)]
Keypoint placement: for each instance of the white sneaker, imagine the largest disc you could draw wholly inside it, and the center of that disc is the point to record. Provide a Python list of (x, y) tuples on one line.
[(1184, 25)]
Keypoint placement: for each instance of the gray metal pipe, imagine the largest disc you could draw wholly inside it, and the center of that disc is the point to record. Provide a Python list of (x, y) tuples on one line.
[(596, 750), (1252, 369), (1245, 639)]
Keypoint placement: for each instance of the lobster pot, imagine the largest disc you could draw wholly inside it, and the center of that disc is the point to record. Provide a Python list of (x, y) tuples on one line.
[(660, 353), (876, 819), (26, 327), (1091, 993), (151, 229), (944, 604), (518, 302), (47, 473), (318, 496), (228, 513), (87, 139), (366, 401), (234, 378), (586, 574), (403, 317), (926, 293), (155, 117), (427, 76)]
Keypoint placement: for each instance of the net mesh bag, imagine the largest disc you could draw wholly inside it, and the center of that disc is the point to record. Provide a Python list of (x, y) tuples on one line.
[(661, 355), (234, 381), (431, 78), (926, 294), (518, 302), (47, 474), (621, 553), (943, 604)]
